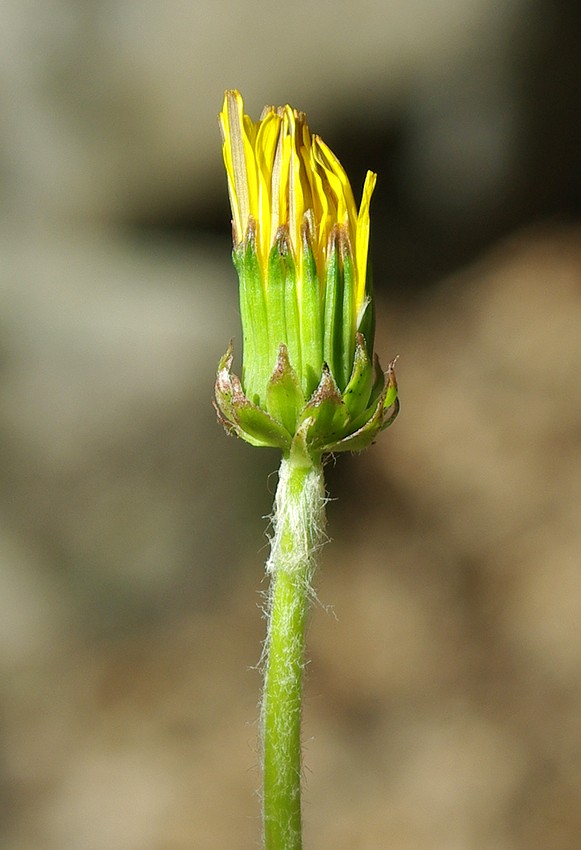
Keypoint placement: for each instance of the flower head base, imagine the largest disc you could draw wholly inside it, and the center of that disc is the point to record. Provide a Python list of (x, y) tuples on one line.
[(300, 249)]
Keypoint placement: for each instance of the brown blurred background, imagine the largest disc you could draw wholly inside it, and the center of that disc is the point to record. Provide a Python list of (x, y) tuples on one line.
[(443, 705)]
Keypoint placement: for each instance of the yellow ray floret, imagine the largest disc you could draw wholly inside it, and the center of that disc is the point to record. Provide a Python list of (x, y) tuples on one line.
[(280, 175)]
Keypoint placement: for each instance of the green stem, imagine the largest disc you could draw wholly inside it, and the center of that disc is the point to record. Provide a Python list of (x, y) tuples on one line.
[(298, 524)]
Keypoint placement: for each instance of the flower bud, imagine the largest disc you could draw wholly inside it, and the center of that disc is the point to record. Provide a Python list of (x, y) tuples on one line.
[(310, 382)]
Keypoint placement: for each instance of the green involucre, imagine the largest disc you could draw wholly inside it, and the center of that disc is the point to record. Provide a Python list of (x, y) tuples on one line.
[(310, 383)]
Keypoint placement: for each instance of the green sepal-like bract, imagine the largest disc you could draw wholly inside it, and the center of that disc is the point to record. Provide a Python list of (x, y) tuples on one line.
[(329, 421), (284, 396), (375, 419), (242, 417), (254, 316), (357, 391)]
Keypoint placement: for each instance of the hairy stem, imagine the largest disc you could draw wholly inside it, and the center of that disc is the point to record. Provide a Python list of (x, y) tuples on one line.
[(298, 524)]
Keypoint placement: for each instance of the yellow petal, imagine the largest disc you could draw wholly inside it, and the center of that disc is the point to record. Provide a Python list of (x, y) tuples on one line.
[(239, 160), (362, 237)]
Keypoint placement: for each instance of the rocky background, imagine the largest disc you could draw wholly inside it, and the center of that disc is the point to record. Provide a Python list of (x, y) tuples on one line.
[(444, 689)]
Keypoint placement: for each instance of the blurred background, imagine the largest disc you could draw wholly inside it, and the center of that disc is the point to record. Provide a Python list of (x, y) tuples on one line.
[(443, 696)]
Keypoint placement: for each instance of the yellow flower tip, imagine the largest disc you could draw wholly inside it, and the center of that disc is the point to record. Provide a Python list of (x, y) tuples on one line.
[(235, 152), (279, 173)]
